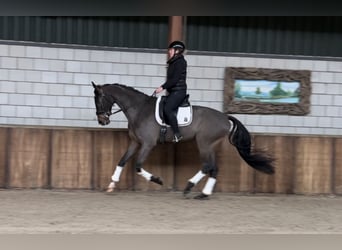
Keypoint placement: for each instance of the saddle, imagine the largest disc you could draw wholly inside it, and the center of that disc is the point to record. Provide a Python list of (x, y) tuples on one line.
[(184, 115), (184, 112)]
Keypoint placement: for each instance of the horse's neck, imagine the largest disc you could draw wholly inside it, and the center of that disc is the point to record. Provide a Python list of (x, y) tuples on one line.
[(126, 97), (129, 100)]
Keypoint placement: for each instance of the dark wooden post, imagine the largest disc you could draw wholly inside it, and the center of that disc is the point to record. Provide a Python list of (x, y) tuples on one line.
[(175, 28)]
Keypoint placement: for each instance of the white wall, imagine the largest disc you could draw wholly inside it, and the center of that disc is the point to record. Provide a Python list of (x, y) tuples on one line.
[(49, 86)]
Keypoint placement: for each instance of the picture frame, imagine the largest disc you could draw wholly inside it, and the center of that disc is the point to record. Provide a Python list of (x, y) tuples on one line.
[(267, 91)]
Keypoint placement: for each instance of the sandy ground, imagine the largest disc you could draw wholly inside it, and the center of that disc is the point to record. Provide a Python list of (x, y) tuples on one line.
[(78, 212)]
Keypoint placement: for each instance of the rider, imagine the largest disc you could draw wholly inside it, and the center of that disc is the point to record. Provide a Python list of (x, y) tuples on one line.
[(175, 85)]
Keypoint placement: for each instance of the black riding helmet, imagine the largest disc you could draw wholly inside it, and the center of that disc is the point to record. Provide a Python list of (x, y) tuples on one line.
[(177, 45)]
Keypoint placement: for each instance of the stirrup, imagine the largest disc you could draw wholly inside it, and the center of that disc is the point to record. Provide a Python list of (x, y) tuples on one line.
[(177, 138)]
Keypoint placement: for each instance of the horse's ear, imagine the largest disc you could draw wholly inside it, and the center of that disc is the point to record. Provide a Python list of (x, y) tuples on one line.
[(97, 89)]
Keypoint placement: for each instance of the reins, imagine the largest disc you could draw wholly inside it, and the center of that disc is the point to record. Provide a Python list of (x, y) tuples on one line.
[(108, 113), (113, 113)]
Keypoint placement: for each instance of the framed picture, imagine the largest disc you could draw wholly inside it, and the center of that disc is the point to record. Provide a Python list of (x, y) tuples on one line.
[(267, 91)]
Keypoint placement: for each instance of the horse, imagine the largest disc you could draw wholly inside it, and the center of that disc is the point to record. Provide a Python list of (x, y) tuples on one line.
[(208, 126)]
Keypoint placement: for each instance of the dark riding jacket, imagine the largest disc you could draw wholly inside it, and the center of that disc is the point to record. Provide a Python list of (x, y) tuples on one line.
[(176, 74)]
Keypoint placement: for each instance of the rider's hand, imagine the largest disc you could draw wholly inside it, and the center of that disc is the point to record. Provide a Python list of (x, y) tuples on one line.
[(158, 90)]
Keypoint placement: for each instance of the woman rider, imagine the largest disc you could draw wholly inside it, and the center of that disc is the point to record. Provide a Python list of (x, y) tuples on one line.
[(175, 85)]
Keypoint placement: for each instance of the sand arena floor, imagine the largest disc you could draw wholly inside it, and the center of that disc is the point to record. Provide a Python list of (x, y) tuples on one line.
[(126, 212)]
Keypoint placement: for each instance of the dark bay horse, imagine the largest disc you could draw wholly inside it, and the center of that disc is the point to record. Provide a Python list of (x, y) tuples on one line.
[(208, 127)]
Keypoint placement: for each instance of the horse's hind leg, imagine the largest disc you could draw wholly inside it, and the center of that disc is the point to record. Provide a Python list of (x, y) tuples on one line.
[(193, 182), (117, 172), (209, 167)]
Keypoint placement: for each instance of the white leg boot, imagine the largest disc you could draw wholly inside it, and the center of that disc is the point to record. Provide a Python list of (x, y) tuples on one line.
[(115, 178), (208, 189)]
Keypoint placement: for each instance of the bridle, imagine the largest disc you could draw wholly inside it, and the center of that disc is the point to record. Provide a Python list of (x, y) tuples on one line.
[(108, 113)]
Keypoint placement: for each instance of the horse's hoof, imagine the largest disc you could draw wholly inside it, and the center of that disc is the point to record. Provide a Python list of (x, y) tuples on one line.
[(156, 180), (110, 188), (186, 194), (187, 189), (202, 197)]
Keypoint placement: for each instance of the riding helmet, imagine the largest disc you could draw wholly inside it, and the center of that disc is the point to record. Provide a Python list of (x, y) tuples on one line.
[(177, 45)]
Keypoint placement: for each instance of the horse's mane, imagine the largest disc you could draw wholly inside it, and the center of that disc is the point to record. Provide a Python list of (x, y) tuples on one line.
[(126, 87)]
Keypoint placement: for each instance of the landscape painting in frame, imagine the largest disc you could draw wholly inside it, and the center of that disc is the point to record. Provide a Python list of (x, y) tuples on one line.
[(267, 91)]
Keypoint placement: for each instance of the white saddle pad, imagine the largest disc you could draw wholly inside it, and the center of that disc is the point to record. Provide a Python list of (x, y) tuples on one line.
[(184, 115)]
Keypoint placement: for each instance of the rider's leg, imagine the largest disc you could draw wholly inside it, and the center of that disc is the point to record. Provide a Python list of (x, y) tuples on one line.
[(173, 101)]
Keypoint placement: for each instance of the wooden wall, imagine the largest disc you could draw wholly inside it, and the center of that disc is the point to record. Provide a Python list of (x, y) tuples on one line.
[(85, 159), (3, 156)]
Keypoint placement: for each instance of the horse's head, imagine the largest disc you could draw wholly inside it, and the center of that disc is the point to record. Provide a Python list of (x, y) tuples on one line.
[(103, 104)]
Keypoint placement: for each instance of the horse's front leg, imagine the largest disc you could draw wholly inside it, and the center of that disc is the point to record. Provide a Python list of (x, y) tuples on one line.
[(143, 154), (117, 172)]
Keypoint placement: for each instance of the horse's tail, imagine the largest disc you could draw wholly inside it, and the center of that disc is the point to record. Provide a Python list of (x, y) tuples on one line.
[(241, 139)]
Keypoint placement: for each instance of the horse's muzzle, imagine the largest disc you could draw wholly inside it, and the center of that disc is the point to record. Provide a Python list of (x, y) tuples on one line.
[(103, 119)]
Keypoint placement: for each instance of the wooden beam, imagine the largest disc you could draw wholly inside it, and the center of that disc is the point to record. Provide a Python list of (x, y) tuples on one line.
[(175, 28)]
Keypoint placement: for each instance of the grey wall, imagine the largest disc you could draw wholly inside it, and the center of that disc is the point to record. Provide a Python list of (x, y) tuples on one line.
[(50, 86)]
